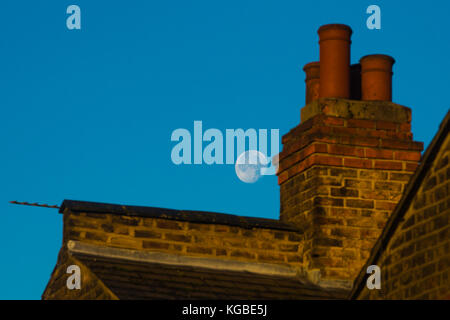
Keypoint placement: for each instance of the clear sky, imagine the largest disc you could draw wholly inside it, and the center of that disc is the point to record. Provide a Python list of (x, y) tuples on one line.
[(88, 114)]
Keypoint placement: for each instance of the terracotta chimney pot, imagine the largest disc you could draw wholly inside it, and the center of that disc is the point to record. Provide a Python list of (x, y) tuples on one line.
[(312, 71), (334, 61), (376, 77)]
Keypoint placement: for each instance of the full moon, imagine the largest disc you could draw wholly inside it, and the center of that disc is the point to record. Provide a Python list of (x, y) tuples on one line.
[(248, 165)]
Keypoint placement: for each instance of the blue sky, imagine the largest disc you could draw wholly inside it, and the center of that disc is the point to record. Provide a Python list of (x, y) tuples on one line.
[(88, 114)]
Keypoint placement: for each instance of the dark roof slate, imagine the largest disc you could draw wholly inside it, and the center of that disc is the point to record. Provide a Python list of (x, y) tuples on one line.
[(181, 215), (142, 280)]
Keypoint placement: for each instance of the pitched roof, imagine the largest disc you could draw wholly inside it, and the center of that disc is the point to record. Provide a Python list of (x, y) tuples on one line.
[(181, 215), (130, 275), (402, 207)]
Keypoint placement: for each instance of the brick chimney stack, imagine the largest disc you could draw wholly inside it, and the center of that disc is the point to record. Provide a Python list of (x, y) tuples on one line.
[(343, 169)]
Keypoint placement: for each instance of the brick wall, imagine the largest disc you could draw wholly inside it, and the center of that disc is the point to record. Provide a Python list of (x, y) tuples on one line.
[(187, 238), (341, 173), (416, 261)]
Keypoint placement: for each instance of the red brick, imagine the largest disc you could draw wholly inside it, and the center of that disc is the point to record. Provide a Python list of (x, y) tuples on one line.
[(408, 115), (327, 160), (326, 130), (320, 147), (358, 163), (353, 123), (327, 139), (302, 127), (386, 125), (301, 155), (405, 127), (407, 155), (347, 131), (411, 166), (399, 135), (402, 144), (333, 121), (395, 144), (345, 150), (360, 141), (379, 153), (390, 135), (298, 145), (296, 169), (299, 167), (282, 177), (416, 145), (378, 134)]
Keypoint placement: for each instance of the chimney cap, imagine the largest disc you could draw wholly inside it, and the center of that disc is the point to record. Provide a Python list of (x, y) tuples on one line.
[(314, 64), (335, 26), (378, 56)]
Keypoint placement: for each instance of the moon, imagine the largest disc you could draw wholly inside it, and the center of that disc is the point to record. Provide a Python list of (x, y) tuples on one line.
[(248, 166)]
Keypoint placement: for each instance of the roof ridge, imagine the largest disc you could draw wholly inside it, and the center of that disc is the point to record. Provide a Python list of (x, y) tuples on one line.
[(180, 215)]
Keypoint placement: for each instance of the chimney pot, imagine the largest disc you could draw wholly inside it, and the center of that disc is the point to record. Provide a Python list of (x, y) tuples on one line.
[(334, 61), (312, 71), (376, 77)]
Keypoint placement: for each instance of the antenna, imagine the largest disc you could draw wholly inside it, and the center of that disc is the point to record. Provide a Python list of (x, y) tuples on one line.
[(35, 204)]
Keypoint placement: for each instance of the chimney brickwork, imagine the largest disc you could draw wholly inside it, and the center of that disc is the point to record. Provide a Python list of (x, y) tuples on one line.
[(343, 169)]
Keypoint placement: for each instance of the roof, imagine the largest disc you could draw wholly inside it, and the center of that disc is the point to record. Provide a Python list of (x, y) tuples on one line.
[(171, 214), (402, 207), (130, 275)]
